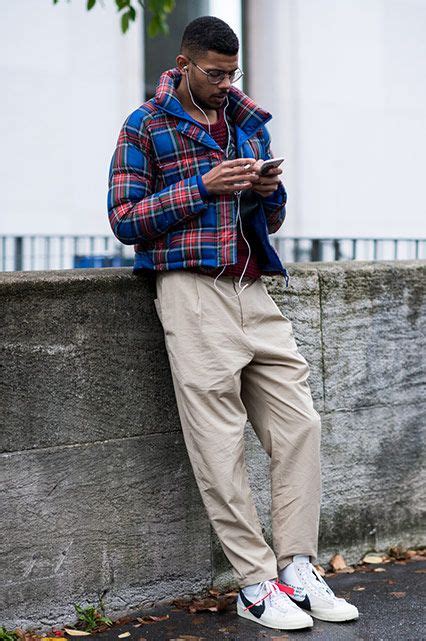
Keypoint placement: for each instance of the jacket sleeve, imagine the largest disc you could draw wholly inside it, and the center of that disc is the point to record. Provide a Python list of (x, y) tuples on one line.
[(137, 214), (273, 205)]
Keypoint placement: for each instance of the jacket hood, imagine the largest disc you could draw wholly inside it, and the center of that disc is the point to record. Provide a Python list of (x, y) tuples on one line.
[(242, 110)]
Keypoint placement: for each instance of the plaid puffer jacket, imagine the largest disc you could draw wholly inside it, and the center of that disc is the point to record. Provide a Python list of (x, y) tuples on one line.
[(154, 200)]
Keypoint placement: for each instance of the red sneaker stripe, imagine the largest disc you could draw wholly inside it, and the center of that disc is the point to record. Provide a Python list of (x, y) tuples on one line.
[(285, 588)]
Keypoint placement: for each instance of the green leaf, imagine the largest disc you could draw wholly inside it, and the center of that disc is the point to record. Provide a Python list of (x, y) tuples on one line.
[(154, 26), (132, 13), (169, 5), (121, 4), (124, 22), (90, 4)]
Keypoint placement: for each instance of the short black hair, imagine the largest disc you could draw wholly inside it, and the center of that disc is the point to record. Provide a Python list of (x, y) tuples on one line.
[(209, 34)]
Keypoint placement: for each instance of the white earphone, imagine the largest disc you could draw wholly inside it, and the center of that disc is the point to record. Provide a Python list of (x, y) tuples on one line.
[(238, 193)]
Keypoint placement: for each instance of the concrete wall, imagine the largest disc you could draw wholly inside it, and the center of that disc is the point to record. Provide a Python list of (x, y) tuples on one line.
[(98, 494)]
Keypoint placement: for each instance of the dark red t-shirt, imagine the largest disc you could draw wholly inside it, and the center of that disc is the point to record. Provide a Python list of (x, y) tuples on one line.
[(219, 132)]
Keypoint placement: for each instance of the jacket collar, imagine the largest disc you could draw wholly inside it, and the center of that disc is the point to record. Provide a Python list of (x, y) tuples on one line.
[(242, 110)]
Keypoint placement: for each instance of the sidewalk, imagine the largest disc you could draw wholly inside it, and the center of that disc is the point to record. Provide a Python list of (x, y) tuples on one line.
[(390, 602)]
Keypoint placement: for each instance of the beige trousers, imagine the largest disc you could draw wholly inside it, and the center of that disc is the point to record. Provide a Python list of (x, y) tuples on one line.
[(233, 359)]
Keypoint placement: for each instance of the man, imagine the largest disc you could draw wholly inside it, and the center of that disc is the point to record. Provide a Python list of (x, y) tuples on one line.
[(185, 188)]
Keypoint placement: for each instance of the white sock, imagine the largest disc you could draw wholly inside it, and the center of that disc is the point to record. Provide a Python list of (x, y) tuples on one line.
[(301, 558), (288, 573)]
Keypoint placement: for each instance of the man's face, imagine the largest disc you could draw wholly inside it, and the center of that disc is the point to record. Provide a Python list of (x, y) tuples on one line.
[(207, 95)]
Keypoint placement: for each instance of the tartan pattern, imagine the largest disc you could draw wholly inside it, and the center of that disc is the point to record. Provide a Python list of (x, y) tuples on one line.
[(153, 199)]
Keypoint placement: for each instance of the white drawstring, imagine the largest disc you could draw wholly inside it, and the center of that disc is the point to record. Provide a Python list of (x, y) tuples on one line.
[(237, 193)]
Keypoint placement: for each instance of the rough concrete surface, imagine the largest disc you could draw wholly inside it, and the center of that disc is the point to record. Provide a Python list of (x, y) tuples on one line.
[(98, 494)]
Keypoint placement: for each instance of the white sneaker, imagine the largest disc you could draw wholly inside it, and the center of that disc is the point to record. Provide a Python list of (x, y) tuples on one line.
[(312, 593), (272, 608)]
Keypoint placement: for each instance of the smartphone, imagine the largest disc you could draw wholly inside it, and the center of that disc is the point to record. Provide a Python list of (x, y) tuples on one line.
[(268, 164)]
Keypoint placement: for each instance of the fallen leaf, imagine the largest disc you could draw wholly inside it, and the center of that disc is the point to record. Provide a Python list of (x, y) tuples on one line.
[(398, 595), (358, 588), (320, 570), (123, 634), (284, 638), (76, 633), (379, 570), (188, 637), (211, 604), (337, 562), (214, 592), (421, 571), (151, 618), (27, 635), (373, 558), (124, 620), (390, 582)]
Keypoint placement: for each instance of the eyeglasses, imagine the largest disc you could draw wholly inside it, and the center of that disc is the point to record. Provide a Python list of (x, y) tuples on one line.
[(216, 76)]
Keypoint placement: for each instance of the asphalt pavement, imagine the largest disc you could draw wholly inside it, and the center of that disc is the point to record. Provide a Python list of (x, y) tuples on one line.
[(391, 604)]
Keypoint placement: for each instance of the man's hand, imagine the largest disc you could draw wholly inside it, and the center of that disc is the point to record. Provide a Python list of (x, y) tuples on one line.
[(230, 176), (267, 184)]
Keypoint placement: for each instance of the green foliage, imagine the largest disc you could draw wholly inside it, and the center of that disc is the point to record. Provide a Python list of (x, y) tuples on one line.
[(91, 617), (7, 635), (159, 10)]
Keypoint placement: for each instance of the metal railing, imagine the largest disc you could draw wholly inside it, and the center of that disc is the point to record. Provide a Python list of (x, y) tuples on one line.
[(36, 252)]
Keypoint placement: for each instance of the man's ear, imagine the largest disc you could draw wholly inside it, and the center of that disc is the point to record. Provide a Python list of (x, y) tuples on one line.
[(182, 63)]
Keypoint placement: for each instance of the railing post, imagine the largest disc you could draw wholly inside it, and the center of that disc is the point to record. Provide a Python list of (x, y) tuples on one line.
[(18, 253), (296, 250), (316, 250), (336, 246)]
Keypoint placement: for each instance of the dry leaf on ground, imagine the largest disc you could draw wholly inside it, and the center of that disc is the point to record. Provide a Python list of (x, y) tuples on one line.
[(188, 637), (149, 618), (320, 570), (27, 635), (337, 562), (373, 558), (123, 634), (379, 570), (76, 633), (211, 604), (398, 595), (358, 588)]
